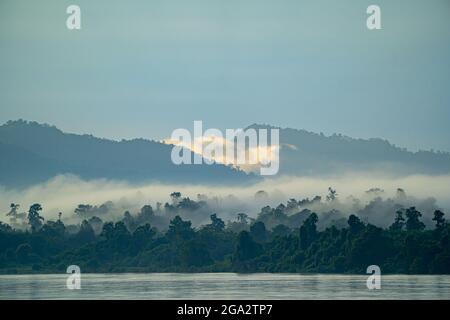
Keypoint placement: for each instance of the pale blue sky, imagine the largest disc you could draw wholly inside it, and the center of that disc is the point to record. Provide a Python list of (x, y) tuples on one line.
[(144, 68)]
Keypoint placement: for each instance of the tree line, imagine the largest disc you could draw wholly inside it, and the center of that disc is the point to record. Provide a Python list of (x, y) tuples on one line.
[(275, 241)]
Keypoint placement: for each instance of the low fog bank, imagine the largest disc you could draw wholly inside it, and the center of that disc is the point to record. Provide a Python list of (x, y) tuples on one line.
[(374, 199)]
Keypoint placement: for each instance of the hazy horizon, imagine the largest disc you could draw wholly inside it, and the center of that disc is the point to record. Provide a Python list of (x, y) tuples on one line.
[(148, 148), (166, 139), (147, 69), (64, 192)]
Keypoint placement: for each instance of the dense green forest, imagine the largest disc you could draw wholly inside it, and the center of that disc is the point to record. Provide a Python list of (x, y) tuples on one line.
[(274, 241)]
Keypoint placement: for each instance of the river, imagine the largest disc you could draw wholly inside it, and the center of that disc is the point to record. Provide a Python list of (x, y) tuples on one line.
[(223, 286)]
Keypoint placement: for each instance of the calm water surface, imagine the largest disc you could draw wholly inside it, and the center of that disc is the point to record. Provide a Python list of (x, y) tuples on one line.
[(223, 286)]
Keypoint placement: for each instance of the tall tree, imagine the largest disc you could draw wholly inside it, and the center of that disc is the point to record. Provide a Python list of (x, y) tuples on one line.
[(399, 221), (217, 224), (242, 218), (180, 230), (258, 231), (439, 218), (86, 233), (332, 194), (355, 224), (308, 231), (34, 218), (13, 211), (413, 222), (246, 248)]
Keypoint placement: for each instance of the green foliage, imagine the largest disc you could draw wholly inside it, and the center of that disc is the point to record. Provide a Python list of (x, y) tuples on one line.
[(258, 232), (399, 222), (246, 249), (412, 220), (23, 252), (217, 224), (179, 231), (245, 245), (34, 218), (439, 218), (308, 231)]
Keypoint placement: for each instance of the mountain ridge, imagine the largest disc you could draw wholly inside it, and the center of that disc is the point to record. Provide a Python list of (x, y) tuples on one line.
[(136, 160), (33, 153), (308, 153)]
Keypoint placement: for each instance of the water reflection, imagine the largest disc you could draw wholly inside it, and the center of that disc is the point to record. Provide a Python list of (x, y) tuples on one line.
[(223, 286)]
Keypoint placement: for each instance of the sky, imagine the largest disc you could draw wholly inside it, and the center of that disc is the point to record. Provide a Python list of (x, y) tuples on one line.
[(145, 68)]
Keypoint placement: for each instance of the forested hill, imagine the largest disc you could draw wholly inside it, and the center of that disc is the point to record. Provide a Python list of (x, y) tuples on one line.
[(32, 153), (308, 153)]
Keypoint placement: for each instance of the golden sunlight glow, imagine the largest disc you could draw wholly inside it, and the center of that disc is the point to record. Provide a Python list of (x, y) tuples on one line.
[(263, 155)]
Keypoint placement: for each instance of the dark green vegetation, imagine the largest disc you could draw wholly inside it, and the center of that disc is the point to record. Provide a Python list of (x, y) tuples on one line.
[(293, 243)]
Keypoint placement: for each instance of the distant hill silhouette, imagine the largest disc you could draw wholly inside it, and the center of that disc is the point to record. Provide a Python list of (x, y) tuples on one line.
[(307, 153), (32, 153)]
